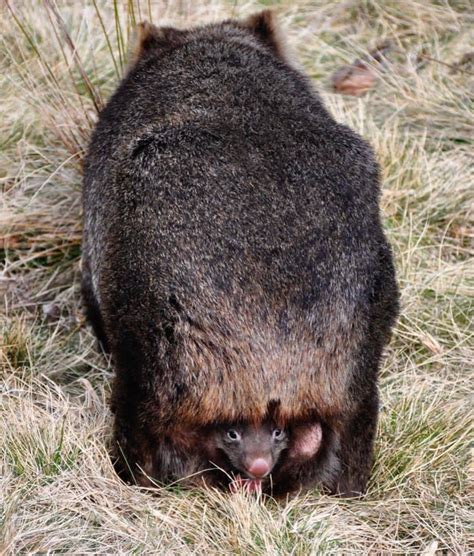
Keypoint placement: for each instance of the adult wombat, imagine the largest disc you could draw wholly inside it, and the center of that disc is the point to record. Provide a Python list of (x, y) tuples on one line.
[(234, 262)]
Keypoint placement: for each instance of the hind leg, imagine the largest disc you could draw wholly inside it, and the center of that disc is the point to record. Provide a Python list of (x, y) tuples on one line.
[(356, 446), (357, 436), (91, 306)]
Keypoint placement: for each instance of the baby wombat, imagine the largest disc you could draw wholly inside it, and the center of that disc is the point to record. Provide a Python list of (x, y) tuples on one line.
[(251, 449), (251, 452), (234, 263)]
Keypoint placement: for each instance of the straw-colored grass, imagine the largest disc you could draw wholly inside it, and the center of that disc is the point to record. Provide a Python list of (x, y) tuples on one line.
[(58, 490)]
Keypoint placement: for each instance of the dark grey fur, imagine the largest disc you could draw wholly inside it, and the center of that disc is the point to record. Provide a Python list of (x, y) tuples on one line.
[(233, 255)]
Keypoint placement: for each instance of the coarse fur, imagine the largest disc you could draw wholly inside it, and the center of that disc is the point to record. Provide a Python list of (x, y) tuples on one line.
[(233, 256)]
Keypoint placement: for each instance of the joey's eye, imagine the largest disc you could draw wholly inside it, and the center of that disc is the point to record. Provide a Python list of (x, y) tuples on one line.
[(233, 434), (277, 434)]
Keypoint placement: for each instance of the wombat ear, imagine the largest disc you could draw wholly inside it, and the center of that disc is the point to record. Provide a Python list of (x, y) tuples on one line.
[(149, 38), (264, 26)]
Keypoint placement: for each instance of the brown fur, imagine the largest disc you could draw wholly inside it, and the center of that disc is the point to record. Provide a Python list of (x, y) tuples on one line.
[(147, 37), (207, 351), (234, 261), (264, 26)]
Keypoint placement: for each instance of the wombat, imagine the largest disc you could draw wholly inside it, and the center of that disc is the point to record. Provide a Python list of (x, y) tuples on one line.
[(250, 452), (234, 262)]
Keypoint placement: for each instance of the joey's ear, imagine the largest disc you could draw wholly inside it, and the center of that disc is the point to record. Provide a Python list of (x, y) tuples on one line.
[(264, 26), (151, 39)]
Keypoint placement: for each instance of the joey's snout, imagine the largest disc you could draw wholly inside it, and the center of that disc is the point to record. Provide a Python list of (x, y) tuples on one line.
[(258, 468)]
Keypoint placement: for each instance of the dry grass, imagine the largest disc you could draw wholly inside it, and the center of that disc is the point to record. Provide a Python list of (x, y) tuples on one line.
[(57, 487)]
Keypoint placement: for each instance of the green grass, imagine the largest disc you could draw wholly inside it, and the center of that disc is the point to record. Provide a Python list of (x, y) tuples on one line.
[(58, 490)]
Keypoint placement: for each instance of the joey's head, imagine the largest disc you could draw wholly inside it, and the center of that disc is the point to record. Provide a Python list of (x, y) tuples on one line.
[(251, 449)]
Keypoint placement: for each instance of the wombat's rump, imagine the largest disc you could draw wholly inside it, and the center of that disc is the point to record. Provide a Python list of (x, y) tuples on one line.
[(233, 256)]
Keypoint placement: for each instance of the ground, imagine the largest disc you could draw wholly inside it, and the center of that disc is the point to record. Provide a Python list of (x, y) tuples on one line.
[(58, 490)]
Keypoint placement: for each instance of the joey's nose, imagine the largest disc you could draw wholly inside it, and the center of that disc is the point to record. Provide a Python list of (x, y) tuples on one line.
[(259, 468)]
